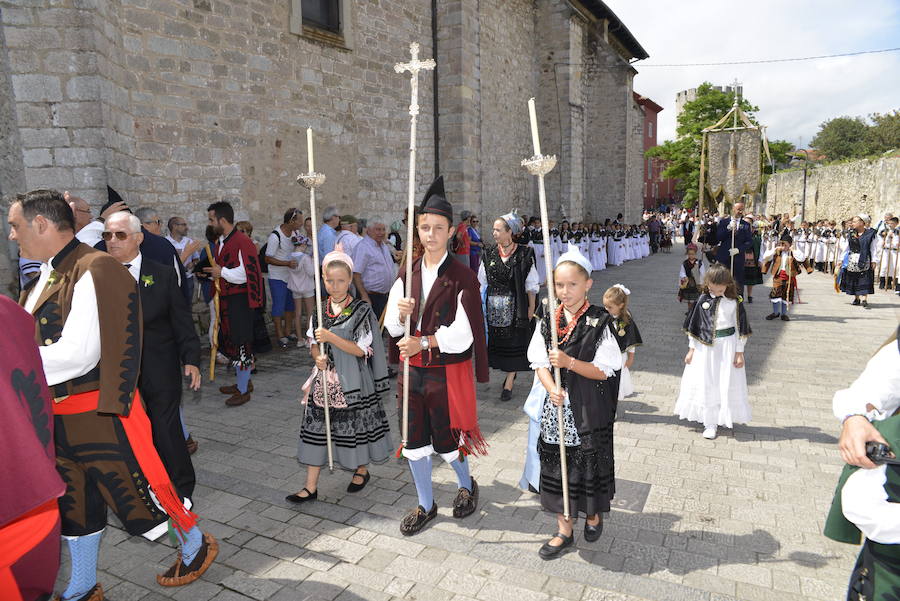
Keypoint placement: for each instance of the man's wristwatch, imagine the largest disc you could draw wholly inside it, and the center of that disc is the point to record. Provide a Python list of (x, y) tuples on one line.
[(423, 342)]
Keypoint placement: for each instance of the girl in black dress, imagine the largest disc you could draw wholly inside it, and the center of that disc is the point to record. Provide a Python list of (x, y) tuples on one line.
[(588, 358)]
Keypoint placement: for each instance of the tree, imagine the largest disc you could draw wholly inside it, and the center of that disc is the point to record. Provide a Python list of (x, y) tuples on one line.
[(780, 150), (842, 138), (884, 133), (683, 154)]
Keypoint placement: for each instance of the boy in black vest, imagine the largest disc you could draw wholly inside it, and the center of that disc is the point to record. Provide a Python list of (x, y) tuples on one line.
[(443, 418)]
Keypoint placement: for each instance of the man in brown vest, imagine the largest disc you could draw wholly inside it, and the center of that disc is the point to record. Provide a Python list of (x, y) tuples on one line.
[(443, 417), (84, 301)]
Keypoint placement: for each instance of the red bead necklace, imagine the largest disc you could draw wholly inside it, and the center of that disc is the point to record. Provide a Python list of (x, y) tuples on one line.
[(565, 332)]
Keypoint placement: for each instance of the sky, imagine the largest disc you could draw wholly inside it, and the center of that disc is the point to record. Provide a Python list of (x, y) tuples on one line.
[(794, 98)]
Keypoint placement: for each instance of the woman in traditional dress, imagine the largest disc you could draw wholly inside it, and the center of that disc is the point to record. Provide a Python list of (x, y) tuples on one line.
[(588, 358), (354, 357), (508, 274), (858, 264)]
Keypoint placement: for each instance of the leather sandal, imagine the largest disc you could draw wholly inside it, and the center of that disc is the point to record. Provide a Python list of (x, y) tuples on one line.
[(180, 574), (297, 499), (416, 519)]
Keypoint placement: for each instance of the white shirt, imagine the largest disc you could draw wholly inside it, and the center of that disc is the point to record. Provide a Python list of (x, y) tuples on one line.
[(91, 234), (134, 266), (180, 246), (878, 385), (233, 275), (364, 342), (452, 339), (279, 246), (865, 503), (78, 349), (608, 357)]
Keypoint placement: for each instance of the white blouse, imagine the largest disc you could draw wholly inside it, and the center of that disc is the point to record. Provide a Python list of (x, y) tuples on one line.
[(532, 282), (608, 357)]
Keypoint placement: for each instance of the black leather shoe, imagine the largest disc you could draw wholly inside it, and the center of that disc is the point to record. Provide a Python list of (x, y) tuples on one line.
[(785, 318), (771, 316), (548, 551), (506, 395), (416, 519), (750, 299), (855, 301), (354, 487), (466, 501), (297, 499), (865, 304), (592, 533)]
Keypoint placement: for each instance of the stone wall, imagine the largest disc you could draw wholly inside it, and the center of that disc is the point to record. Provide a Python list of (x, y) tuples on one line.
[(12, 178), (835, 191), (179, 103)]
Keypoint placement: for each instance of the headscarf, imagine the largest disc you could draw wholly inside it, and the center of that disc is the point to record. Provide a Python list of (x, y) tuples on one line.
[(515, 223), (338, 255), (574, 255)]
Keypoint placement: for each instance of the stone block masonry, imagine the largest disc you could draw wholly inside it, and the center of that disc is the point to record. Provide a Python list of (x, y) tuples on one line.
[(178, 104), (835, 191)]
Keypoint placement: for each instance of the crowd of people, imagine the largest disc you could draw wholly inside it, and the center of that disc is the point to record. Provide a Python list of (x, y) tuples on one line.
[(474, 306)]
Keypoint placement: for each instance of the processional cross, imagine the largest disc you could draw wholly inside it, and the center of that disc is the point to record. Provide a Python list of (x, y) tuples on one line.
[(413, 67)]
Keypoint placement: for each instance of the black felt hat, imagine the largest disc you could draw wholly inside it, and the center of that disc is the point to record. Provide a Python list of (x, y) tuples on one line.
[(786, 237), (112, 198), (435, 201)]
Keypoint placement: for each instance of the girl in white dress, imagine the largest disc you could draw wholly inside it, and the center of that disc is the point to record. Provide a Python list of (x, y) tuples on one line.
[(714, 384), (615, 301)]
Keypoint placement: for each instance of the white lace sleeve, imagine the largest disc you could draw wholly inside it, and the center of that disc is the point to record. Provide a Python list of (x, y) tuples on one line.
[(608, 357)]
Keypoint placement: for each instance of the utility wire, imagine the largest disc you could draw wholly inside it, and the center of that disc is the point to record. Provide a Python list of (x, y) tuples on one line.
[(772, 60)]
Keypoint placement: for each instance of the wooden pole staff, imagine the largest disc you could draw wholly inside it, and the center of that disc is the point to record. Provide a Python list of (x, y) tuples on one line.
[(540, 166), (214, 342), (311, 181), (413, 67)]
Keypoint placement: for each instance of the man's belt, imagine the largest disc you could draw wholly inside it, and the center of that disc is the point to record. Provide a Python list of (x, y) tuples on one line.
[(724, 333)]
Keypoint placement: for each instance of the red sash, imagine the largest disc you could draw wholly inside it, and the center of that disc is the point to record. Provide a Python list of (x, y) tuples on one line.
[(18, 538), (140, 437)]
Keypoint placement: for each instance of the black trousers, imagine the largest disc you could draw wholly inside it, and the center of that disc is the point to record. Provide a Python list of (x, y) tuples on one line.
[(168, 438), (379, 302)]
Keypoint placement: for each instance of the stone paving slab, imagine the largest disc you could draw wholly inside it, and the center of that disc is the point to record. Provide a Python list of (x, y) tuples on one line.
[(739, 517)]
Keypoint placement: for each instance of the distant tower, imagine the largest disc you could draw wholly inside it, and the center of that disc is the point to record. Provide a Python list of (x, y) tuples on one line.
[(685, 96)]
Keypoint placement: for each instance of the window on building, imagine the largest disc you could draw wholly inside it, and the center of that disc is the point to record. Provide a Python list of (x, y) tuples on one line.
[(324, 14), (649, 168), (328, 21), (650, 129), (645, 189)]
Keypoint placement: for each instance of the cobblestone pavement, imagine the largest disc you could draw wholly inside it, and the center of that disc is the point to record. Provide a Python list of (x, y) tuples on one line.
[(739, 517)]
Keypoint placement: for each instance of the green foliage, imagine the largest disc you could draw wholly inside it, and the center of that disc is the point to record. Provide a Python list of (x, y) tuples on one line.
[(884, 133), (842, 138), (683, 154), (847, 138), (781, 151)]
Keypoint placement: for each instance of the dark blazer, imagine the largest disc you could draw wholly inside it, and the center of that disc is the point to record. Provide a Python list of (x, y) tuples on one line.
[(156, 248), (743, 240), (169, 336)]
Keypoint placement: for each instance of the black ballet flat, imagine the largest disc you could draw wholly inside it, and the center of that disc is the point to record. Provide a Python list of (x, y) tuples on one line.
[(354, 487), (592, 533), (548, 551), (855, 302), (865, 304), (296, 499)]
